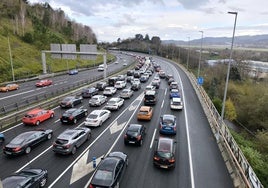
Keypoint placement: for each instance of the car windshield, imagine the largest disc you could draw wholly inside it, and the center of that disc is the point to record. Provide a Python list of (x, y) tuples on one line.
[(149, 97), (111, 102), (61, 141), (92, 116)]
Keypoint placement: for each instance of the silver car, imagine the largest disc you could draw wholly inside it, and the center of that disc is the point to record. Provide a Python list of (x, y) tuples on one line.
[(126, 93), (71, 139), (114, 103), (97, 100)]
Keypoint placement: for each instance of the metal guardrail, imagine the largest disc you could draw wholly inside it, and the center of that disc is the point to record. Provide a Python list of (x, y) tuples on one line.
[(237, 164)]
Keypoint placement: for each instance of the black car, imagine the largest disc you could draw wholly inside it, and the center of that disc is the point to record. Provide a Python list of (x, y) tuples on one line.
[(70, 102), (135, 134), (101, 85), (73, 114), (24, 142), (89, 92), (30, 178), (164, 153), (112, 80), (110, 171)]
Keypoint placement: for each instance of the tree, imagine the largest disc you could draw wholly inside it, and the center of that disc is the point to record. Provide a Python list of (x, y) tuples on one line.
[(146, 38), (138, 37), (230, 112)]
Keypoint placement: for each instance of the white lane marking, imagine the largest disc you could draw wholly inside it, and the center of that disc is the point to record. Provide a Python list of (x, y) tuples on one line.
[(16, 94), (28, 96), (12, 127), (83, 153), (152, 141), (115, 127), (82, 168), (188, 136)]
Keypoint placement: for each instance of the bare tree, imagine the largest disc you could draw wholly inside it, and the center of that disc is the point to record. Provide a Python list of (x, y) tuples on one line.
[(22, 16)]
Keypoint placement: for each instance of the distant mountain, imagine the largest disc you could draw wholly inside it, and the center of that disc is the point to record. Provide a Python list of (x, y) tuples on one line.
[(256, 41)]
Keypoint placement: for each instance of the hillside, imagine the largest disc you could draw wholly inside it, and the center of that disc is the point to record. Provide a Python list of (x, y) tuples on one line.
[(32, 28)]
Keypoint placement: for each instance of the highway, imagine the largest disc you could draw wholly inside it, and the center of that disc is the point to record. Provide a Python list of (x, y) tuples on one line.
[(199, 163)]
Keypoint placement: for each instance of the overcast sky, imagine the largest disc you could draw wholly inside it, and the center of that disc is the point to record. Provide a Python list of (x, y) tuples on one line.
[(167, 19)]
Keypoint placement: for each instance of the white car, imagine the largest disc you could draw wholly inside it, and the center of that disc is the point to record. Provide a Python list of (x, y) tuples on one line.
[(97, 100), (136, 80), (114, 103), (149, 88), (101, 67), (126, 93), (97, 118), (120, 84), (176, 103), (109, 91)]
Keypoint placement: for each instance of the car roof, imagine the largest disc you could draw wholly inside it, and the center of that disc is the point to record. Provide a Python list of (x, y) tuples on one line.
[(176, 99), (71, 110), (115, 99), (35, 111), (98, 96), (97, 112), (134, 127), (168, 116), (68, 133)]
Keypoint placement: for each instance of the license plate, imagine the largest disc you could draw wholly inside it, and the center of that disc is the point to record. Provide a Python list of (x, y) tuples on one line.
[(59, 147), (163, 166), (7, 152), (131, 142), (64, 120)]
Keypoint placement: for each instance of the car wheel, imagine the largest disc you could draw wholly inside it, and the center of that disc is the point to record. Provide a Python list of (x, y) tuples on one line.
[(43, 182), (88, 136), (2, 139), (49, 136), (74, 150), (100, 124), (141, 142), (28, 150), (37, 123), (52, 115), (86, 113), (75, 121)]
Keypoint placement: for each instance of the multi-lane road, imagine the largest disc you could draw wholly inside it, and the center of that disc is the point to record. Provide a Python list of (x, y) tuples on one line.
[(198, 159)]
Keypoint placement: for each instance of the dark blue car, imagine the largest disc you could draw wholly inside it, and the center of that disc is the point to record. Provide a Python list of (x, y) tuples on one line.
[(174, 93), (168, 124), (2, 137)]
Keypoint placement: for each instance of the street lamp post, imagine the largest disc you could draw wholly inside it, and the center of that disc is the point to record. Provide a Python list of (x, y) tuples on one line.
[(228, 71), (200, 55), (188, 53)]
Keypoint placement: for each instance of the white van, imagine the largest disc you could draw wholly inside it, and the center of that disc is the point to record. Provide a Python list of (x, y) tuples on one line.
[(101, 67)]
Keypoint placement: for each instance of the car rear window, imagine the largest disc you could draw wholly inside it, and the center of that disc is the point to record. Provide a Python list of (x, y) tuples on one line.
[(92, 116), (143, 112), (30, 115), (61, 141), (104, 175)]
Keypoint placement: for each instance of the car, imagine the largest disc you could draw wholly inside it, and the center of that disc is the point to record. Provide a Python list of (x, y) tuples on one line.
[(110, 170), (114, 103), (36, 116), (168, 124), (2, 137), (136, 80), (43, 83), (174, 93), (70, 101), (101, 85), (137, 74), (101, 67), (145, 113), (135, 86), (135, 134), (164, 153), (130, 72), (176, 103), (112, 80), (168, 76), (149, 72), (9, 87), (97, 118), (73, 72), (149, 88), (156, 84), (24, 142), (162, 74), (130, 78), (30, 177), (89, 92), (124, 64), (109, 91), (121, 77), (126, 93), (156, 78), (170, 80), (73, 114), (97, 100), (150, 98), (120, 84), (143, 79), (174, 85), (70, 140)]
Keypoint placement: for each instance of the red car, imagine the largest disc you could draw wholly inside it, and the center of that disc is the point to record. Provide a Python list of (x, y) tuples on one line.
[(43, 83), (36, 116)]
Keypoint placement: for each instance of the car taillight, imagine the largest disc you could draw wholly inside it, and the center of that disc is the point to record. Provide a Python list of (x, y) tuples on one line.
[(71, 117), (125, 136), (91, 186), (17, 149), (138, 137), (156, 158), (67, 146), (172, 160)]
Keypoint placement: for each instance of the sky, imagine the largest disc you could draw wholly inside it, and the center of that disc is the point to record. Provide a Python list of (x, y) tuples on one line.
[(167, 19)]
